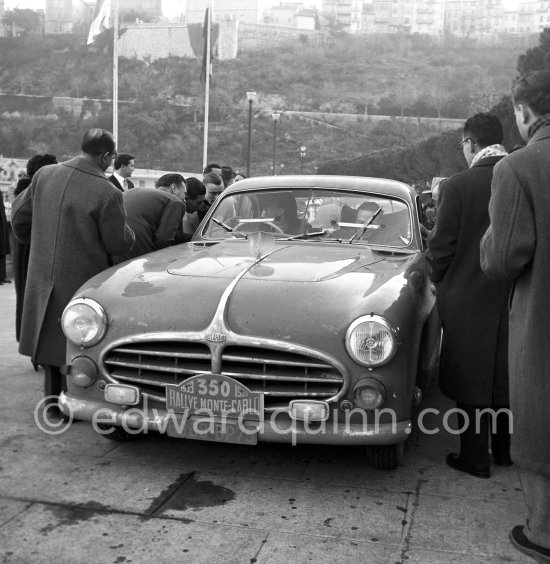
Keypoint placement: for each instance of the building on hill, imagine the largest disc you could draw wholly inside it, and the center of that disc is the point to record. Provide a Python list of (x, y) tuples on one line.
[(150, 7), (463, 18), (62, 16), (245, 11)]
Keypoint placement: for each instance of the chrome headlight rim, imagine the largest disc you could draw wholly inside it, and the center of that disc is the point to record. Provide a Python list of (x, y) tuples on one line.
[(101, 318), (369, 318)]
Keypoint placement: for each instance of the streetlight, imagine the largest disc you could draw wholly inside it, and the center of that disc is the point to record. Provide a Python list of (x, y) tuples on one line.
[(302, 155), (275, 115), (250, 96)]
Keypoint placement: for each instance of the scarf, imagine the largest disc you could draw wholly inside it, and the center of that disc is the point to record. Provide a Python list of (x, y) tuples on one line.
[(490, 151), (541, 122)]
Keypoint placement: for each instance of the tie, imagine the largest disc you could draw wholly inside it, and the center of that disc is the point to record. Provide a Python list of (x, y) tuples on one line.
[(125, 185)]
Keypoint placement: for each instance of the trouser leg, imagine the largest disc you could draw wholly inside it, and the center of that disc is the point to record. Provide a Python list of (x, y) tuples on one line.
[(54, 381), (501, 434), (474, 439), (536, 488)]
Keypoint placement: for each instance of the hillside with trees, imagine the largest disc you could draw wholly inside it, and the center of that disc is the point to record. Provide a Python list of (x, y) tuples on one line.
[(439, 155), (161, 109)]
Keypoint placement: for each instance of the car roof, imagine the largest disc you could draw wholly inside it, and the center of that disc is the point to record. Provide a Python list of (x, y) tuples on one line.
[(359, 183)]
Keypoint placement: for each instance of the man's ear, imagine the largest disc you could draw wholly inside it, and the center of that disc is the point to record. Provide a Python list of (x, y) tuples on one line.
[(525, 113)]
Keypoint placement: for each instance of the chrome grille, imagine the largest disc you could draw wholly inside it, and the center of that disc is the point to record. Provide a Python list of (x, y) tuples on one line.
[(280, 375)]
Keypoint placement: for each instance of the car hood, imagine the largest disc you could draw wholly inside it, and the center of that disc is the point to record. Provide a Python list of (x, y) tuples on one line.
[(287, 262), (179, 288)]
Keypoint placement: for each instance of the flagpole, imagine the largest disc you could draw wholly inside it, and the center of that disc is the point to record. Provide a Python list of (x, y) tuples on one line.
[(115, 71), (207, 86)]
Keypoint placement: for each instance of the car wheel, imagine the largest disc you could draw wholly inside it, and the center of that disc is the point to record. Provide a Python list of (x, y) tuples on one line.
[(117, 434), (385, 457)]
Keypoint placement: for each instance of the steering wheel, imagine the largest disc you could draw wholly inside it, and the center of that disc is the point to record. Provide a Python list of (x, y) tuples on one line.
[(271, 224)]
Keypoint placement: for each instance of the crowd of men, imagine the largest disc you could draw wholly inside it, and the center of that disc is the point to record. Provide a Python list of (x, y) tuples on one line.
[(488, 255)]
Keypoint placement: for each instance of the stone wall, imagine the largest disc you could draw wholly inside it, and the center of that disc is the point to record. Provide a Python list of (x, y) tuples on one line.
[(254, 36), (155, 41)]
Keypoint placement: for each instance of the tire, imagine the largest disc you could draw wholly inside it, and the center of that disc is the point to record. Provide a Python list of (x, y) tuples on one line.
[(385, 457), (117, 434)]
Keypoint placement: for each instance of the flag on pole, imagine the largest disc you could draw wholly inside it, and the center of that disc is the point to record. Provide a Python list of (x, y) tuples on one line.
[(102, 19), (207, 35)]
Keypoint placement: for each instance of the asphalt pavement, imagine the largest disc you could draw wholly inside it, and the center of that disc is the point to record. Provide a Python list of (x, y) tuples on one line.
[(78, 497)]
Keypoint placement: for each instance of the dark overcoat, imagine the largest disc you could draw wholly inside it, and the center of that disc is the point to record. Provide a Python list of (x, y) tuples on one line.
[(473, 308), (517, 248), (155, 217), (4, 230), (114, 180), (74, 220)]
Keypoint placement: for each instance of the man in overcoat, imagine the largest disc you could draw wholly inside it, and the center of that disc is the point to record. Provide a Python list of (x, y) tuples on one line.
[(74, 220), (516, 248), (155, 216), (473, 308)]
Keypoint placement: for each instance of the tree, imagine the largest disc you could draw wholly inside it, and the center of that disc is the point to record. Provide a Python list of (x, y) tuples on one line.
[(536, 58), (23, 19)]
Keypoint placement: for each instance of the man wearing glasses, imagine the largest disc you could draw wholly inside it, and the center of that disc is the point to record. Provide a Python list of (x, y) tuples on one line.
[(473, 308), (74, 220)]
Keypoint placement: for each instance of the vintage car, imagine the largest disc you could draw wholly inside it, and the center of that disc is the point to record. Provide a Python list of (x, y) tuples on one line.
[(300, 312)]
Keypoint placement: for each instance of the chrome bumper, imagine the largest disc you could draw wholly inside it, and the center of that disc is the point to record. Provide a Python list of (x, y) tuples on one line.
[(282, 429)]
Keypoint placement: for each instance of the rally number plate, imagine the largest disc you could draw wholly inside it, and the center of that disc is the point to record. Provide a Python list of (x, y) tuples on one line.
[(215, 395)]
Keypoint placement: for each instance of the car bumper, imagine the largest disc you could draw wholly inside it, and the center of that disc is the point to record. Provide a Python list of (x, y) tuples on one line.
[(281, 429)]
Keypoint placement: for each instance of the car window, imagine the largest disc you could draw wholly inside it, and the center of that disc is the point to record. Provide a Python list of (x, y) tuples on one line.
[(334, 214)]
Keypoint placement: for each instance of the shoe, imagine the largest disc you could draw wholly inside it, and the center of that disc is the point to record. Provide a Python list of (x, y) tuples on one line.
[(523, 544), (5, 281), (503, 460), (454, 461)]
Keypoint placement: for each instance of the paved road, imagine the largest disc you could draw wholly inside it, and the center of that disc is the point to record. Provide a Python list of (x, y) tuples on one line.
[(78, 497)]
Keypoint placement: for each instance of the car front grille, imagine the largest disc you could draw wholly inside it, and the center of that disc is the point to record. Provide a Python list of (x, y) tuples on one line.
[(280, 375)]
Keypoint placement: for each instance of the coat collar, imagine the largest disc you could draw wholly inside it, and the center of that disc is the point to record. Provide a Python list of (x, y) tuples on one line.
[(540, 134), (488, 161), (84, 164)]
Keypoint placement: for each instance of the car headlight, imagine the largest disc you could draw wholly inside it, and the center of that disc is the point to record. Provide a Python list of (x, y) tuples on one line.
[(370, 340), (84, 322)]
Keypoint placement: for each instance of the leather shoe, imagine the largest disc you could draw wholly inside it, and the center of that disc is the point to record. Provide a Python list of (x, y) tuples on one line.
[(5, 281), (455, 461), (503, 460), (523, 544)]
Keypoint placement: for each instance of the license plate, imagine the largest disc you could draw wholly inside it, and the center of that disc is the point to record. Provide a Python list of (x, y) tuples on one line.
[(228, 431), (214, 395)]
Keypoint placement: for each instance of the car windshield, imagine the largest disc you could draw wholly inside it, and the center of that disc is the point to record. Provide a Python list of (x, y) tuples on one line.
[(312, 214)]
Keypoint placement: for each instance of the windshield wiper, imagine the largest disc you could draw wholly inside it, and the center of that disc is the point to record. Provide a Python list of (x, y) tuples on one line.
[(364, 227), (228, 228), (307, 235)]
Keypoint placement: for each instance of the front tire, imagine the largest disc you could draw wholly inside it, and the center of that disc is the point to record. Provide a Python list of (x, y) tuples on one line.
[(385, 457)]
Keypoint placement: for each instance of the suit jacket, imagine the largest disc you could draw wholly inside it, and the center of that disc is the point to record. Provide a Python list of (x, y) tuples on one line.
[(155, 217), (473, 308), (516, 247), (74, 219), (114, 180)]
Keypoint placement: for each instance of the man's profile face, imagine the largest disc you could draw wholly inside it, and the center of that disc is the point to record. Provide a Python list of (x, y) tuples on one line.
[(193, 205), (213, 191), (127, 170), (107, 159), (180, 191)]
